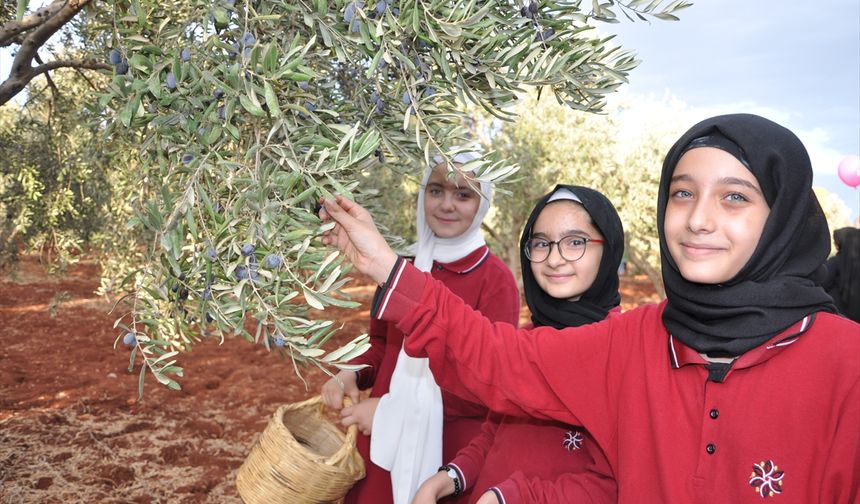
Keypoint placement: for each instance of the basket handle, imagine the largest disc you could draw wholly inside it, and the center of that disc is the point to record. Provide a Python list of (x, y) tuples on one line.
[(351, 431)]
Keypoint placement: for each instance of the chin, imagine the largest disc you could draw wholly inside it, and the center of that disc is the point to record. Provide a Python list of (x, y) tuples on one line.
[(702, 275), (562, 291)]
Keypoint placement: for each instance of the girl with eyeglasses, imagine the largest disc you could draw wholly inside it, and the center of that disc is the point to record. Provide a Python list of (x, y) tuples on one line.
[(571, 247), (742, 386), (409, 426)]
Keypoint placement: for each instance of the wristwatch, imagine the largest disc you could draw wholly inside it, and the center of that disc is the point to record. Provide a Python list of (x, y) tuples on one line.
[(454, 474)]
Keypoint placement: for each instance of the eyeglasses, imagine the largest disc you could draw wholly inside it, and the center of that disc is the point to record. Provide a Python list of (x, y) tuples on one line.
[(571, 248)]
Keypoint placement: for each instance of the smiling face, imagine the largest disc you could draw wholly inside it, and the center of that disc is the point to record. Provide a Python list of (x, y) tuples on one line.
[(450, 205), (714, 217), (557, 276)]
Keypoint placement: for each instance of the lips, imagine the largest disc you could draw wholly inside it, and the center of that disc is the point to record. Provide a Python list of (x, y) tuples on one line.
[(700, 249), (559, 278)]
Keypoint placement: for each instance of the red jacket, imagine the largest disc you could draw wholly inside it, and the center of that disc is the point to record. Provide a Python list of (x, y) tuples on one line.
[(784, 421), (481, 280), (522, 459)]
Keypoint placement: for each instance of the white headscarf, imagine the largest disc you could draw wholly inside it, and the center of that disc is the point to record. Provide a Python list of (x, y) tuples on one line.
[(431, 248), (407, 425)]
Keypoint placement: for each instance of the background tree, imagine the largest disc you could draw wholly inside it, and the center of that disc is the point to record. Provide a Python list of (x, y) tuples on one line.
[(55, 179)]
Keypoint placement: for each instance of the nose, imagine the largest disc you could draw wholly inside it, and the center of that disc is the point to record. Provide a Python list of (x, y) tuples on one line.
[(554, 259), (448, 202), (702, 216)]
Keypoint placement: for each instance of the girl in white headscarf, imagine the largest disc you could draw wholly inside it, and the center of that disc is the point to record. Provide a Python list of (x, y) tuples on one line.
[(414, 425)]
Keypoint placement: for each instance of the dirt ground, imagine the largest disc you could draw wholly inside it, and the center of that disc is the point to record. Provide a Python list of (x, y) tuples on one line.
[(73, 430)]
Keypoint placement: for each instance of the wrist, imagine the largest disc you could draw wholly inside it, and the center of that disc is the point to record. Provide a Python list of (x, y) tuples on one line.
[(454, 478), (347, 376), (383, 265)]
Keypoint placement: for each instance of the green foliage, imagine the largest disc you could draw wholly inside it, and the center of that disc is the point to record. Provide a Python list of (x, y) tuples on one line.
[(228, 120), (54, 180)]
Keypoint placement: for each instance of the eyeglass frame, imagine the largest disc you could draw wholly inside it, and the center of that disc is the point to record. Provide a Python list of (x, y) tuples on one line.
[(557, 244)]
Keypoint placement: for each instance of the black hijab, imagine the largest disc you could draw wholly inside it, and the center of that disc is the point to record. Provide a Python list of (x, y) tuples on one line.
[(781, 282), (602, 296)]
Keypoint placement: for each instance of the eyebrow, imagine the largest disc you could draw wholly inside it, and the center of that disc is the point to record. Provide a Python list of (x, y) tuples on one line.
[(569, 232), (450, 186), (724, 181)]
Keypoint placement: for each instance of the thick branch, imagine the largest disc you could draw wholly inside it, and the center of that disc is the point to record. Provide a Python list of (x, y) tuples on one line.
[(12, 28), (14, 84), (89, 64), (22, 69)]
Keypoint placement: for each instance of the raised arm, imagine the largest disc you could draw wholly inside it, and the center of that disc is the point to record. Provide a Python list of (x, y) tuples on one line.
[(542, 373)]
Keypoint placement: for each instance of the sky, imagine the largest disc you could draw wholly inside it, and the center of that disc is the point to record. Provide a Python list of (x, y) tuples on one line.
[(795, 62)]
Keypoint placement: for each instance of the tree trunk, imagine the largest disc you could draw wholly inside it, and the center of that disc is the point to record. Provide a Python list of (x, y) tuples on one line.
[(653, 274)]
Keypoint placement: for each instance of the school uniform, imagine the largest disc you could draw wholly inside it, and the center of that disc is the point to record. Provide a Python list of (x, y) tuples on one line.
[(783, 421), (482, 281)]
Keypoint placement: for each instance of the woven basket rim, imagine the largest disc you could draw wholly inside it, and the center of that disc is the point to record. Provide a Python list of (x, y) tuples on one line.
[(347, 439)]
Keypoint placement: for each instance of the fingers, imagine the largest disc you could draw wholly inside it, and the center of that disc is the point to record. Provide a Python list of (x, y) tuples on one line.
[(355, 395), (343, 211), (348, 420), (351, 207), (335, 213), (332, 394), (356, 415), (349, 411)]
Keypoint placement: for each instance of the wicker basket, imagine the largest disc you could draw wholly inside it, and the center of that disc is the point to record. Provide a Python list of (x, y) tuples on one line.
[(300, 458)]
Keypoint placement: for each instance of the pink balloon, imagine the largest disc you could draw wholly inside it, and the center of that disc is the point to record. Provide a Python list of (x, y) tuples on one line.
[(849, 171)]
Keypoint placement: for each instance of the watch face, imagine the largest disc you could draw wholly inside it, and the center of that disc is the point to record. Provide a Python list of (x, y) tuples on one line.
[(452, 473)]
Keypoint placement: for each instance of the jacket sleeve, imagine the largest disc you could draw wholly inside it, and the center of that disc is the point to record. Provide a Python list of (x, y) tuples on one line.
[(542, 373), (372, 358), (470, 459), (576, 488)]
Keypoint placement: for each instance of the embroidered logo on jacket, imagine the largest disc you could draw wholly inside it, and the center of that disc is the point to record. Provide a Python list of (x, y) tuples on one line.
[(766, 478), (572, 440)]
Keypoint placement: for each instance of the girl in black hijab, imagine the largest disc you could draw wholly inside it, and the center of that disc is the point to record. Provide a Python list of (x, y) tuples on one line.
[(781, 281), (602, 297)]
